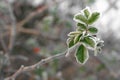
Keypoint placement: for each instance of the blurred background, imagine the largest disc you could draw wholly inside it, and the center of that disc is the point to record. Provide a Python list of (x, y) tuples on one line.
[(31, 30)]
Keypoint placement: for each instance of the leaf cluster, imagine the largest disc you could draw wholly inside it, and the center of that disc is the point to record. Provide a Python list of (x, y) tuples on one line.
[(85, 34)]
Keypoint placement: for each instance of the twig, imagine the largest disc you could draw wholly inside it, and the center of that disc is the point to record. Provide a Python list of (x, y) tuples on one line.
[(32, 67), (43, 61)]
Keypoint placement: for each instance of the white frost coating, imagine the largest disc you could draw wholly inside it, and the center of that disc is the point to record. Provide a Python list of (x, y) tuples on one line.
[(73, 33), (88, 8)]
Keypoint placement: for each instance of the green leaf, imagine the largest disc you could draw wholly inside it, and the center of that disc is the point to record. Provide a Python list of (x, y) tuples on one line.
[(77, 38), (82, 54), (93, 30), (80, 18), (70, 42), (93, 17), (86, 12), (89, 41), (82, 26)]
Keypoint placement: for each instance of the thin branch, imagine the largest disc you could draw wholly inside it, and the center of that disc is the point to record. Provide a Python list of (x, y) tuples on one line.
[(33, 67), (43, 61)]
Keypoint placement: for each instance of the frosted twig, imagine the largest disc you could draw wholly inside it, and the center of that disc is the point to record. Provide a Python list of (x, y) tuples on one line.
[(33, 67), (43, 61)]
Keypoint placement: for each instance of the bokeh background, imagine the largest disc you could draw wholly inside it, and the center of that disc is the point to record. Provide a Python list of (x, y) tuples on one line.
[(31, 30)]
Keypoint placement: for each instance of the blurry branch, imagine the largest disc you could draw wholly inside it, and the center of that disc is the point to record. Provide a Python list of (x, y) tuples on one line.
[(18, 27), (13, 27), (39, 11), (21, 57), (31, 32), (31, 15), (21, 29), (3, 44), (35, 32)]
